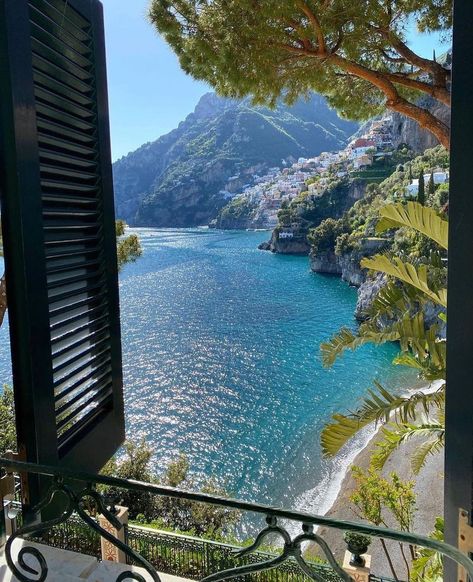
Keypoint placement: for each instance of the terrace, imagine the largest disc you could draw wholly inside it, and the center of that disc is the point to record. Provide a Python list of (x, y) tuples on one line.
[(59, 235)]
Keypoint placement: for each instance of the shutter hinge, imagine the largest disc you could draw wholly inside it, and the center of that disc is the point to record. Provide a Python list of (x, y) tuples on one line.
[(465, 541)]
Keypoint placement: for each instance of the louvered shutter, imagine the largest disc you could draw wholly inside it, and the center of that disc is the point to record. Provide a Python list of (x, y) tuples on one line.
[(59, 232)]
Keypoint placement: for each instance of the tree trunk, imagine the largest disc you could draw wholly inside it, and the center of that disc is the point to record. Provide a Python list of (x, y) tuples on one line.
[(394, 101)]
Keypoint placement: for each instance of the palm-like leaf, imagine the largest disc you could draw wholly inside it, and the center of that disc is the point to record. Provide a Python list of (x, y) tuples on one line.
[(379, 405), (415, 276), (392, 299), (432, 431), (428, 354), (414, 215), (345, 339)]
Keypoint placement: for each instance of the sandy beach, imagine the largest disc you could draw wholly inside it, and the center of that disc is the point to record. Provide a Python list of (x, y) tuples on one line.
[(429, 490)]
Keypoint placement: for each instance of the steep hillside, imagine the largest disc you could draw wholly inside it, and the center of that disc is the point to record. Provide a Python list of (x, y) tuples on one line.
[(180, 179)]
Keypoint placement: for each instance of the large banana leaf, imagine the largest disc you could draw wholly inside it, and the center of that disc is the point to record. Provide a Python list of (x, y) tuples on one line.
[(411, 333), (345, 339), (378, 406), (417, 277), (431, 431), (414, 215)]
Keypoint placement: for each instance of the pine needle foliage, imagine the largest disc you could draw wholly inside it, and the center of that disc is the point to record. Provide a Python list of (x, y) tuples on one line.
[(354, 53)]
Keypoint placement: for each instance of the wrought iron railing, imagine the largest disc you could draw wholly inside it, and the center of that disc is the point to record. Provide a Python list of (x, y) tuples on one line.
[(78, 491), (178, 554)]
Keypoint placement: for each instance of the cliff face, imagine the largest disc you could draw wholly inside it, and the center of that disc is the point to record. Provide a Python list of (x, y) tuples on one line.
[(295, 246), (182, 178), (408, 131), (347, 266)]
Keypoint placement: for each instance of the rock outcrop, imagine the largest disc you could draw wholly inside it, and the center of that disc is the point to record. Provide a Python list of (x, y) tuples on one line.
[(298, 245), (407, 131), (347, 266)]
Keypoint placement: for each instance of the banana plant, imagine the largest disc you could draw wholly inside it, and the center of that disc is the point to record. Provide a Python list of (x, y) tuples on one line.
[(401, 302)]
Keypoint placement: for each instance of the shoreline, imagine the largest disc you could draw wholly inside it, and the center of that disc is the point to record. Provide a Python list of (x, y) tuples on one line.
[(428, 488)]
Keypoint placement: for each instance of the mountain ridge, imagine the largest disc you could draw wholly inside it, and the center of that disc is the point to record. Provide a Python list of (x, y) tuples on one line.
[(178, 179)]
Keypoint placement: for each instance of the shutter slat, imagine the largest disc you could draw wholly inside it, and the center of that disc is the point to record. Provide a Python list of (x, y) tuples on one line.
[(65, 173), (66, 160), (64, 321), (57, 28), (85, 420), (62, 119), (55, 134), (55, 86), (73, 403), (80, 358), (42, 65), (91, 402), (65, 16), (67, 186), (83, 342), (95, 375), (45, 34), (77, 374), (53, 57), (69, 105), (67, 335)]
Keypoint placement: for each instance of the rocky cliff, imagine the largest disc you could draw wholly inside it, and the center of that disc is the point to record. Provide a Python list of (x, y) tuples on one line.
[(408, 131), (183, 178), (347, 265)]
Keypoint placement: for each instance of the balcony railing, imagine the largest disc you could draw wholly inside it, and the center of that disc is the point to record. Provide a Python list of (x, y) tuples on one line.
[(77, 492)]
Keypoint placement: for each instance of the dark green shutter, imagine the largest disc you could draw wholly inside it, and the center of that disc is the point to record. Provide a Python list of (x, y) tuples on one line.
[(59, 232), (459, 394)]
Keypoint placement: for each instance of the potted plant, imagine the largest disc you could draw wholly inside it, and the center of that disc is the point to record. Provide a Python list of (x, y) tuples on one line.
[(358, 545)]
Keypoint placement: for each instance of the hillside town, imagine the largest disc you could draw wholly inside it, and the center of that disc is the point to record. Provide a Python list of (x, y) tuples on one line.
[(279, 186)]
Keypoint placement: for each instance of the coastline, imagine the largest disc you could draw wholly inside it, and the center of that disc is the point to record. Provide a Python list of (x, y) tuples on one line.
[(428, 488)]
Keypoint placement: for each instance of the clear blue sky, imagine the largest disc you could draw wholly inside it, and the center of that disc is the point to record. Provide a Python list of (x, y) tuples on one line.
[(149, 94)]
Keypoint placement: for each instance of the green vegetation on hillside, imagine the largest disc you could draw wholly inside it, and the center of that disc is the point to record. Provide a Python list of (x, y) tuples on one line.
[(307, 209), (359, 222), (165, 512), (236, 214)]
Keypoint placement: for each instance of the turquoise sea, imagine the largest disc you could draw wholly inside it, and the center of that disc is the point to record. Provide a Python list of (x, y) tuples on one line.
[(221, 361)]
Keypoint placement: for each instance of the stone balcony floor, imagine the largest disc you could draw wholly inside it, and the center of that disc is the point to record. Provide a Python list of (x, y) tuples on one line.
[(65, 566)]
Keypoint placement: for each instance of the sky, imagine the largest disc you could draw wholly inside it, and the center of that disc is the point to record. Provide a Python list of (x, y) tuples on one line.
[(149, 93)]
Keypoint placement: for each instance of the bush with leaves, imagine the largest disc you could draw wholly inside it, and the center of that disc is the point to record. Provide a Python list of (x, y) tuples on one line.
[(7, 421), (167, 512), (128, 247), (428, 565), (381, 501), (134, 464), (324, 237)]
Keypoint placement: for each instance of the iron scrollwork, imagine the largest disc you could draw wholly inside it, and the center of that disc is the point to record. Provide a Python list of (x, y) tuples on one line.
[(292, 548), (74, 502)]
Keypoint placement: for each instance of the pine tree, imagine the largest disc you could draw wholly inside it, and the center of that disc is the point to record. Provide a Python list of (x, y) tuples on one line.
[(354, 53), (431, 184), (421, 191)]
